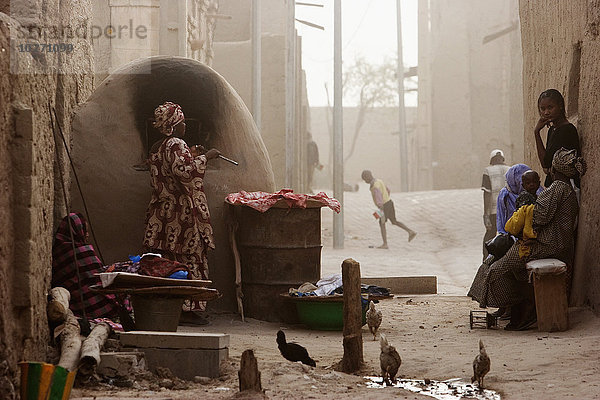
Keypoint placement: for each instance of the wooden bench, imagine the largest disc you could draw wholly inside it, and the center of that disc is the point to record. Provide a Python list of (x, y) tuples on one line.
[(549, 278)]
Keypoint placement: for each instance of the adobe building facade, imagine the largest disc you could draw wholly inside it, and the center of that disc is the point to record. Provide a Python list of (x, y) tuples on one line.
[(29, 173), (470, 89), (127, 30), (566, 56), (33, 166), (232, 49)]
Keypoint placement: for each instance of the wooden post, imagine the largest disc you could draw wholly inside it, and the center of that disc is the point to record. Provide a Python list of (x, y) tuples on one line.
[(353, 344), (249, 375), (90, 349)]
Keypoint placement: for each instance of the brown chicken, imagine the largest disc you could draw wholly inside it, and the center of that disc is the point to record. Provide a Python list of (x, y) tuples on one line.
[(374, 318), (481, 365), (389, 360)]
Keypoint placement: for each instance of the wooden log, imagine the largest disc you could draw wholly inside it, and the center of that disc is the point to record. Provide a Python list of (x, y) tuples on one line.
[(58, 305), (353, 344), (70, 343), (90, 349), (249, 375)]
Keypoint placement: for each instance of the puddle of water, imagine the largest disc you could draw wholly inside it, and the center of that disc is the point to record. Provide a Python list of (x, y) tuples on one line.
[(451, 389)]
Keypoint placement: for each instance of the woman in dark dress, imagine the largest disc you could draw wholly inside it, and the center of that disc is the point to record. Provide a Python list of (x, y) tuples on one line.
[(505, 282), (561, 133)]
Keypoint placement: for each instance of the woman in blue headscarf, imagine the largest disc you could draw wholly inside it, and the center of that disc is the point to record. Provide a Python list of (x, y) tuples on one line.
[(507, 198)]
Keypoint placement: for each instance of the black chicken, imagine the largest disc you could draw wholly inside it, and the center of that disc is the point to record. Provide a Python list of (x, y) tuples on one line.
[(293, 351)]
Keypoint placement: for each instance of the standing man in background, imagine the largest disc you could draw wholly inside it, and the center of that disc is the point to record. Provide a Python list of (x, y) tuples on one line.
[(494, 179), (382, 199), (312, 159)]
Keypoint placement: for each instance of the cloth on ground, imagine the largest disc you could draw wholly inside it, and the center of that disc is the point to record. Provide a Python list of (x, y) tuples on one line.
[(262, 201)]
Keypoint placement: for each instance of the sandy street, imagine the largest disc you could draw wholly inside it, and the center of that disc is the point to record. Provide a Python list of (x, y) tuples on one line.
[(431, 333)]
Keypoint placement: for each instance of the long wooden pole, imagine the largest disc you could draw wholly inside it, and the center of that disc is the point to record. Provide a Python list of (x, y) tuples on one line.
[(338, 132)]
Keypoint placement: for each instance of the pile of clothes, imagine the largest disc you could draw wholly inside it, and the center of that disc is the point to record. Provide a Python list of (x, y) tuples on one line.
[(333, 285)]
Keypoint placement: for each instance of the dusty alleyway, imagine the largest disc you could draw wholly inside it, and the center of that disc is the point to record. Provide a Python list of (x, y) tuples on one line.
[(450, 229), (431, 333)]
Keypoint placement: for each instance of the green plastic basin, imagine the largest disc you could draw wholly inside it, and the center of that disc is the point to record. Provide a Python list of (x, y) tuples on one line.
[(324, 315)]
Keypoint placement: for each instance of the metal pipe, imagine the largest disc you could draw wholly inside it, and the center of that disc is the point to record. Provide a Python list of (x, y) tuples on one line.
[(401, 111), (290, 94), (228, 160), (256, 64), (338, 134)]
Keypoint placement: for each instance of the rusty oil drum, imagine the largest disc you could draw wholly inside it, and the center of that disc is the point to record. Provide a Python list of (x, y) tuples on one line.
[(279, 249)]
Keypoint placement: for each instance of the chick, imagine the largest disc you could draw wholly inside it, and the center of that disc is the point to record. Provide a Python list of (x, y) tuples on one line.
[(389, 360), (373, 319), (481, 365), (293, 351)]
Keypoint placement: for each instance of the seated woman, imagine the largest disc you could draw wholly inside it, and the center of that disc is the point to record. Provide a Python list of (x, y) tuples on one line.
[(64, 270), (505, 282)]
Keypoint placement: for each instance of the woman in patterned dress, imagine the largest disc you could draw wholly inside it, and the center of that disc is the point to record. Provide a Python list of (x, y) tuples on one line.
[(177, 219), (505, 282)]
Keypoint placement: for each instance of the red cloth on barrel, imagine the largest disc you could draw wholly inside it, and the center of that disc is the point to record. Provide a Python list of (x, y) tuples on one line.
[(262, 201), (160, 267)]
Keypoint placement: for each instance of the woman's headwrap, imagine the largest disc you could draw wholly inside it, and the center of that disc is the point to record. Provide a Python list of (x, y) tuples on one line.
[(166, 116), (567, 163), (513, 178), (507, 198), (78, 227)]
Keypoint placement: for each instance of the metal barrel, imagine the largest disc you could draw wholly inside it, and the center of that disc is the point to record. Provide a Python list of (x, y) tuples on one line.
[(279, 249)]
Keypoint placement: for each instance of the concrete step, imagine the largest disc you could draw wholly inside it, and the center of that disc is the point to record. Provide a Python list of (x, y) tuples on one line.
[(174, 340)]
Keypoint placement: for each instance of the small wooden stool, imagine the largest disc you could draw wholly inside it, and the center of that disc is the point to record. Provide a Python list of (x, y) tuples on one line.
[(549, 278)]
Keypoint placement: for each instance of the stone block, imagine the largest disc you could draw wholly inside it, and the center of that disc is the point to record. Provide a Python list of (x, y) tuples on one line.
[(405, 284), (174, 340), (24, 122), (121, 363), (186, 363)]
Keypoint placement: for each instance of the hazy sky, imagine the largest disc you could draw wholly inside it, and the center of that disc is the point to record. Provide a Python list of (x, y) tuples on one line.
[(368, 29)]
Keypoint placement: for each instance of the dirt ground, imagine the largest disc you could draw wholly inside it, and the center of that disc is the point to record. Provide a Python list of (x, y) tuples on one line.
[(431, 333)]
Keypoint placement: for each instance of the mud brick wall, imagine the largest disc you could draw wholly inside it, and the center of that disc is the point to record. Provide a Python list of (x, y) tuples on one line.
[(561, 49), (28, 172)]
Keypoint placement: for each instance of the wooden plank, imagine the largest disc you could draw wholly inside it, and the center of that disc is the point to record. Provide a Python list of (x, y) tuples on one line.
[(209, 293), (402, 285), (126, 279)]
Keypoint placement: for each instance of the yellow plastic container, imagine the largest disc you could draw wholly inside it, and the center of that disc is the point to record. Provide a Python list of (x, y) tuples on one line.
[(42, 381)]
